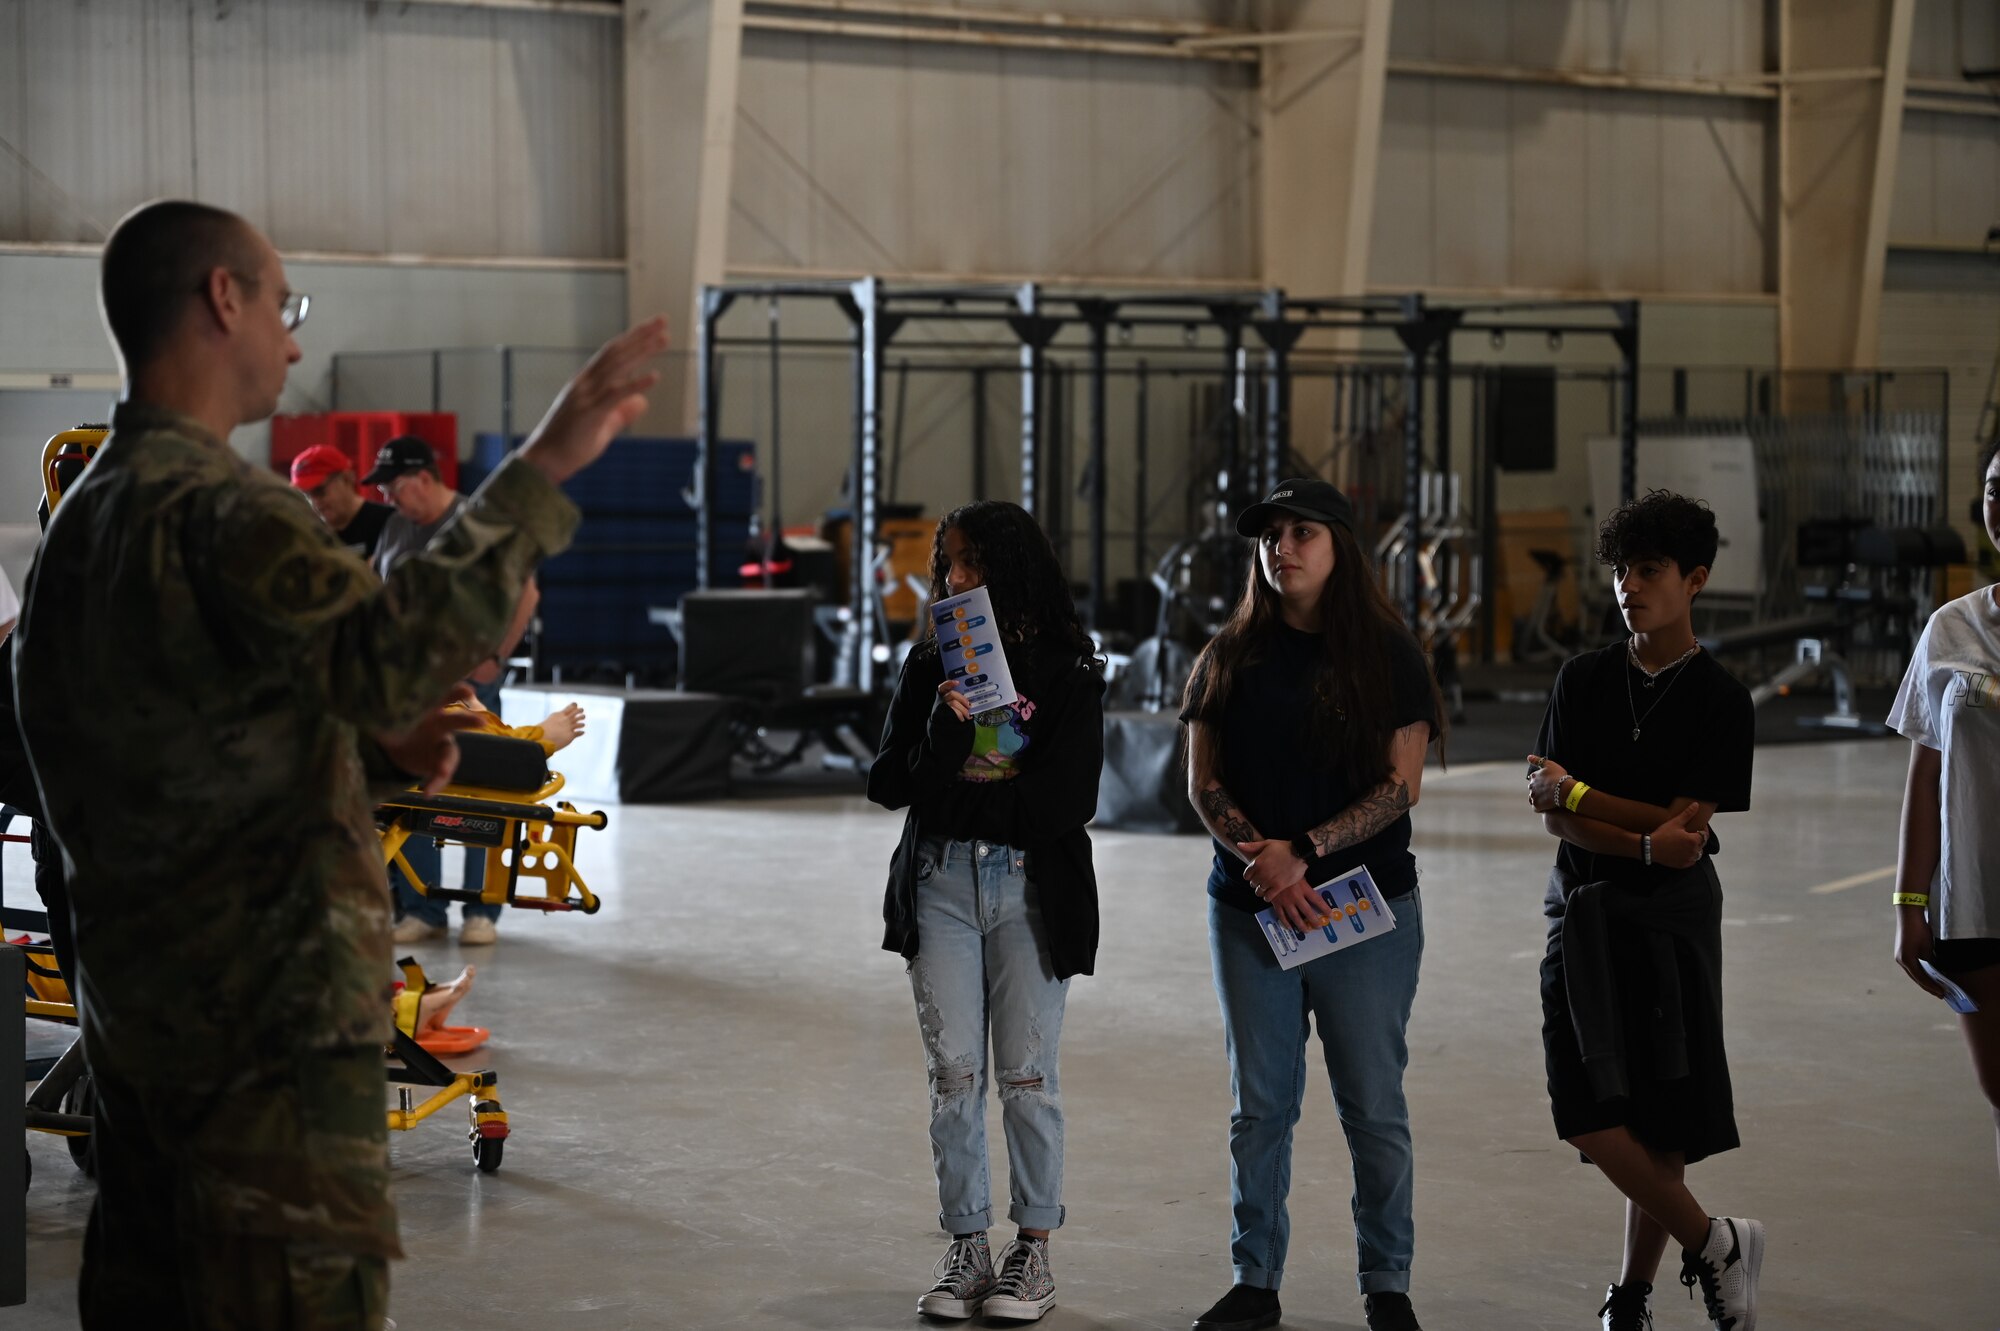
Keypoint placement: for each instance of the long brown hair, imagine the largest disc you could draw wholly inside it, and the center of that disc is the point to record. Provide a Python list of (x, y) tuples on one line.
[(1351, 717)]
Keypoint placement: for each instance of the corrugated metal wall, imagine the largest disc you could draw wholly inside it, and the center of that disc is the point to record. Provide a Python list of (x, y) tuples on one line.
[(1948, 167), (332, 124), (1943, 310), (879, 156), (1488, 184)]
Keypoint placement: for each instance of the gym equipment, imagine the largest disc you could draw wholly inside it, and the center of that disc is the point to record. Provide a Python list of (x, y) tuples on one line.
[(1436, 550), (757, 647), (1532, 639), (1842, 611)]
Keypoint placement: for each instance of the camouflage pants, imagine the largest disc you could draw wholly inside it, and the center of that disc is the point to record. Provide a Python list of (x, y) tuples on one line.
[(260, 1206)]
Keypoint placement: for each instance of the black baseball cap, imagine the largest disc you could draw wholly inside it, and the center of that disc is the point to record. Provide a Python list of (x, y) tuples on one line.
[(1306, 497), (399, 457)]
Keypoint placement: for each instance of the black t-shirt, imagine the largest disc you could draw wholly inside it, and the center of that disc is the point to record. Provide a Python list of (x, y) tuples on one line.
[(1278, 773), (365, 529), (1697, 729)]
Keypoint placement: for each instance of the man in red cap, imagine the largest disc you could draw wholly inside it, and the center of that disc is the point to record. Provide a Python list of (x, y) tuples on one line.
[(327, 477)]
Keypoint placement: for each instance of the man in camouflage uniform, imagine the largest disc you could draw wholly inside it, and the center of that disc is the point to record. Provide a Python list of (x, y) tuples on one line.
[(200, 671)]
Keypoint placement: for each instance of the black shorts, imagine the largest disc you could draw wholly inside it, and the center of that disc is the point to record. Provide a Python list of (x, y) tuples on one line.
[(1957, 956)]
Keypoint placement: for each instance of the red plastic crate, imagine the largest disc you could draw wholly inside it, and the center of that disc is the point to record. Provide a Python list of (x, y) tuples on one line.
[(361, 434)]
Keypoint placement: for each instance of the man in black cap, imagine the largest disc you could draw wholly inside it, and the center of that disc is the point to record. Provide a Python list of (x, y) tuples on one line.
[(407, 471)]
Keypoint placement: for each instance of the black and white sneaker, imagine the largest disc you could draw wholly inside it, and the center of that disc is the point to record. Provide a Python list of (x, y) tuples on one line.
[(1390, 1311), (1027, 1287), (964, 1279), (1625, 1307), (1726, 1268)]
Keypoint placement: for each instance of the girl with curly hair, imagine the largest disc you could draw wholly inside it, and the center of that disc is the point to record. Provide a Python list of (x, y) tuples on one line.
[(992, 897), (1308, 719), (1642, 744)]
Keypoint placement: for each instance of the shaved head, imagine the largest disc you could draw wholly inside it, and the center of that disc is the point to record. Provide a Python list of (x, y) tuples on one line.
[(156, 262)]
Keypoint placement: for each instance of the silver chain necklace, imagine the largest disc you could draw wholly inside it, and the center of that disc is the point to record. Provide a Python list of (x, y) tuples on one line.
[(1652, 678)]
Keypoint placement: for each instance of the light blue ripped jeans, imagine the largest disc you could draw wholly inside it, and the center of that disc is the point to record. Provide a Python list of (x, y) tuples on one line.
[(983, 965)]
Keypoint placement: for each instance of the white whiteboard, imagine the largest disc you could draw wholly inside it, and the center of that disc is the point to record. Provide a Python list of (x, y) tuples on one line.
[(1720, 470)]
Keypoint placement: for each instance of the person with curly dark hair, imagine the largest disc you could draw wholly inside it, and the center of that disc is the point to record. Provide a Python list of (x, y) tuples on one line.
[(992, 897), (1308, 720), (1947, 894), (1642, 745)]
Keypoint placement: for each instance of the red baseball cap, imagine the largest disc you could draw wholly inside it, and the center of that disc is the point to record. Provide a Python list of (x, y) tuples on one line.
[(318, 464)]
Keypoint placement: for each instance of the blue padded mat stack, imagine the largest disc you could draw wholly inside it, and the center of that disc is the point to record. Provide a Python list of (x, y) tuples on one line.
[(635, 548)]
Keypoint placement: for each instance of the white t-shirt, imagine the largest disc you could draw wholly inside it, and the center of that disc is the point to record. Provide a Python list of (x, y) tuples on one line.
[(10, 605), (1950, 701)]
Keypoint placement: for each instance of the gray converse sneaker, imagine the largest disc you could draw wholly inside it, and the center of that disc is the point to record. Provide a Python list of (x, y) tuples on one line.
[(1027, 1288), (964, 1279), (1726, 1268)]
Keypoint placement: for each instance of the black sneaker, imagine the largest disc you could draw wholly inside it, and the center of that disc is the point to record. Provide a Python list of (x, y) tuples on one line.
[(1243, 1308), (1625, 1307), (1390, 1312)]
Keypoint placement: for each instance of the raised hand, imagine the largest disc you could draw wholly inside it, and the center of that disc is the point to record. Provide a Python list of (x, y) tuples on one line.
[(604, 397)]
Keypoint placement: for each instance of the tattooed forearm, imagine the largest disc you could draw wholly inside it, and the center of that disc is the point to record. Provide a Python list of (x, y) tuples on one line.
[(1363, 818), (1224, 819)]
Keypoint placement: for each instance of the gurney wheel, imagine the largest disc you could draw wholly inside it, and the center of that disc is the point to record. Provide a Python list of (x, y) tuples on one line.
[(486, 1153), (81, 1100)]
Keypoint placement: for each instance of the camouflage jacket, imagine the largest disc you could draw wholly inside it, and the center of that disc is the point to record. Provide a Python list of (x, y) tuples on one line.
[(200, 662)]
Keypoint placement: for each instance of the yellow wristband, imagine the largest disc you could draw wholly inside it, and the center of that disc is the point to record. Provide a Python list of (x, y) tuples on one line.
[(1911, 899), (1577, 790)]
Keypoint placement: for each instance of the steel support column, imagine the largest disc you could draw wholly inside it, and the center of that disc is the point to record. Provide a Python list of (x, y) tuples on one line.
[(1279, 337), (1098, 314), (1627, 338), (1035, 333), (700, 492)]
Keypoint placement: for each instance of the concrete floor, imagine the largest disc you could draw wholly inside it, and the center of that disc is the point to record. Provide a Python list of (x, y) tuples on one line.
[(718, 1098)]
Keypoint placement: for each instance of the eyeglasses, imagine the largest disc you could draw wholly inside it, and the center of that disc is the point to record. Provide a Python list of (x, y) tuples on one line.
[(291, 312)]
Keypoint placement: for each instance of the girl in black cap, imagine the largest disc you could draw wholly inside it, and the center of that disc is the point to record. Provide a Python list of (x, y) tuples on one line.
[(1308, 719)]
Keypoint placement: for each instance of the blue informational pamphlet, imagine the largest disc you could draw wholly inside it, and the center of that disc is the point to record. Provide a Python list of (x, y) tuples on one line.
[(1358, 914), (1955, 998), (969, 647)]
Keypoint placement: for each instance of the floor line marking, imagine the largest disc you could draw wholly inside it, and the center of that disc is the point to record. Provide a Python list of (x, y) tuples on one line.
[(1858, 880), (1472, 769)]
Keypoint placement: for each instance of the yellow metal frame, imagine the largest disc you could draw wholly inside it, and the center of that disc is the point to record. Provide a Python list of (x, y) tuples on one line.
[(85, 441), (480, 1088), (540, 848)]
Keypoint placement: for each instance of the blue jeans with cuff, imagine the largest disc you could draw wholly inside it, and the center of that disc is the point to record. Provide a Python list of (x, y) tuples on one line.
[(427, 858), (983, 969), (1360, 1000)]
